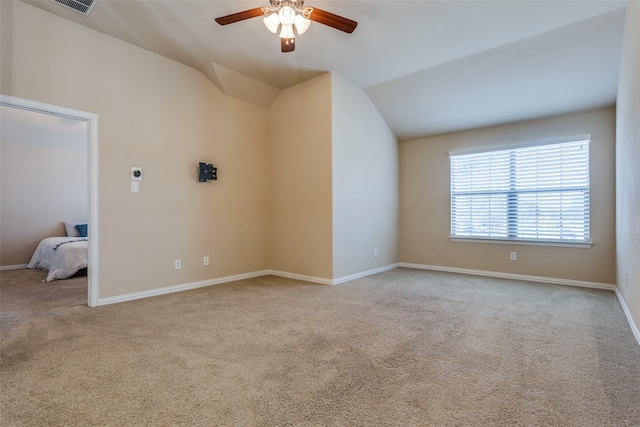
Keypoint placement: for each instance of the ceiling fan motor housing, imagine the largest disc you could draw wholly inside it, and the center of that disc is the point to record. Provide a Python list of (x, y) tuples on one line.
[(296, 4)]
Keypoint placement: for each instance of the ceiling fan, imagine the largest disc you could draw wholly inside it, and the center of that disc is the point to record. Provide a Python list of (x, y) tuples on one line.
[(289, 15)]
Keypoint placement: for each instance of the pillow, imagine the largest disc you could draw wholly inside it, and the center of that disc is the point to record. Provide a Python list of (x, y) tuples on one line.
[(71, 229), (82, 229)]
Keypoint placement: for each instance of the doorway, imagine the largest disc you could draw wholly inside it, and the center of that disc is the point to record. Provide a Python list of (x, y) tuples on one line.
[(91, 121)]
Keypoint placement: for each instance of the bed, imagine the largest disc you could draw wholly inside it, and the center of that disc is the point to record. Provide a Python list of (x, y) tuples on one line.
[(61, 257)]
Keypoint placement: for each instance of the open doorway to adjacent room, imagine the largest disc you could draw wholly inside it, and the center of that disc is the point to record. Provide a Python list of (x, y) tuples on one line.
[(49, 177)]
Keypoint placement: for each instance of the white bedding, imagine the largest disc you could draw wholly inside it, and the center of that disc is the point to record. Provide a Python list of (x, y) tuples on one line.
[(62, 257)]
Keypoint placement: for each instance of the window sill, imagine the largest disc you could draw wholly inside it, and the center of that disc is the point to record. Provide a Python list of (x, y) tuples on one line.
[(583, 245)]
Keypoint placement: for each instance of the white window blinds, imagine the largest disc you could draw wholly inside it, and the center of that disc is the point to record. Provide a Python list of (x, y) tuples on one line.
[(536, 193)]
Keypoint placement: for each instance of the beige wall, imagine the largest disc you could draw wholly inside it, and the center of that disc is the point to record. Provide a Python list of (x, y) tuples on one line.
[(300, 179), (628, 166), (164, 117), (425, 202), (365, 183), (329, 210), (40, 187), (272, 206)]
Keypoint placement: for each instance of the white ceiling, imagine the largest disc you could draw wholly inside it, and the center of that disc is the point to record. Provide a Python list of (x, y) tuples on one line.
[(430, 67)]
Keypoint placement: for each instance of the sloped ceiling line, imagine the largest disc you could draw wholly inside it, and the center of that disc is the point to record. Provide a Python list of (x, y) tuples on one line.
[(423, 63)]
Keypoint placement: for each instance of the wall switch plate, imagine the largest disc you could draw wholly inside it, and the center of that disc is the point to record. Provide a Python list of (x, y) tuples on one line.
[(205, 260), (513, 256), (178, 264), (134, 186)]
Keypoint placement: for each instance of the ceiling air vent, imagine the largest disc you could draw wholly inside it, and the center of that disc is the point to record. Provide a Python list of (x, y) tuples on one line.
[(82, 6)]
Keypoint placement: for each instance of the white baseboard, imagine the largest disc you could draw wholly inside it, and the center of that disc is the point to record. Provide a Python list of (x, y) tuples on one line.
[(325, 281), (13, 267), (312, 279), (364, 274), (539, 279), (226, 279), (179, 288), (627, 312), (337, 281)]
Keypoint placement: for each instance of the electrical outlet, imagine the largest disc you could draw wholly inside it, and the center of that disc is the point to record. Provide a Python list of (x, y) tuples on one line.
[(178, 264), (626, 279), (513, 256), (375, 252), (205, 260)]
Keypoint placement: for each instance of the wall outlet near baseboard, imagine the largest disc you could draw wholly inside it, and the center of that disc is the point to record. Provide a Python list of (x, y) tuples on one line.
[(375, 252), (178, 264), (205, 260), (513, 256)]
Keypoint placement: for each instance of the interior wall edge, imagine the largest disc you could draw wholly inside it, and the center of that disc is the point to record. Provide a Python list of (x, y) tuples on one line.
[(627, 313)]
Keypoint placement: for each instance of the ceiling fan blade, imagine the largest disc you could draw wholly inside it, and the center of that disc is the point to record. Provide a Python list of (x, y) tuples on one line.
[(240, 16), (336, 21), (287, 45)]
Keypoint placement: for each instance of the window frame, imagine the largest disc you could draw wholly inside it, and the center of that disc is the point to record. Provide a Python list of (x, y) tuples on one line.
[(516, 240)]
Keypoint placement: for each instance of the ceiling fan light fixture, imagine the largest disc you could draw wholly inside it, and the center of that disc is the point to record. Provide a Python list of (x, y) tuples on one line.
[(272, 22), (290, 17), (306, 12), (301, 23), (287, 32), (287, 15)]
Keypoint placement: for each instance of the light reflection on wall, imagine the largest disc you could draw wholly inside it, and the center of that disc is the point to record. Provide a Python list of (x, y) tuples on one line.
[(29, 127)]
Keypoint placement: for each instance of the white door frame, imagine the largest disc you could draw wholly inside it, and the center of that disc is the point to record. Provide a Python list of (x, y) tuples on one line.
[(92, 126)]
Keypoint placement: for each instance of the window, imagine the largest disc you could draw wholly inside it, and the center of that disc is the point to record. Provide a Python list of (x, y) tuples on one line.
[(538, 193)]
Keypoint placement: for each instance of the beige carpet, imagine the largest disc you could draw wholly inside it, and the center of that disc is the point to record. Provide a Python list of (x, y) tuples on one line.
[(402, 348)]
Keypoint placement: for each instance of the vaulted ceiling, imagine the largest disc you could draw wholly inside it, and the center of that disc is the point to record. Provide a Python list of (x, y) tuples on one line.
[(430, 67)]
